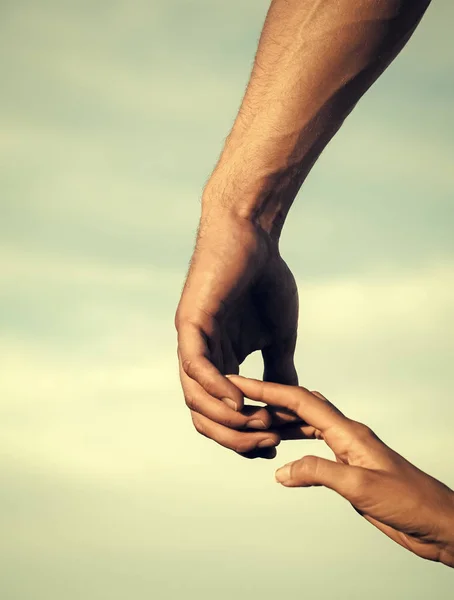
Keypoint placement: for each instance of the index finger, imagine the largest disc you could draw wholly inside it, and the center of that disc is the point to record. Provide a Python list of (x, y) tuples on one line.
[(195, 359), (316, 412)]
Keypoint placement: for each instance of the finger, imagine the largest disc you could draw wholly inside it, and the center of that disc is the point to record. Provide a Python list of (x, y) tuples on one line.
[(266, 453), (195, 360), (240, 442), (279, 366), (199, 401), (319, 413), (281, 417), (350, 482), (299, 431), (230, 362), (291, 427)]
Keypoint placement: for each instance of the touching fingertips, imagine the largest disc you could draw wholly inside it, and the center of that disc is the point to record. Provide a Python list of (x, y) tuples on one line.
[(284, 474)]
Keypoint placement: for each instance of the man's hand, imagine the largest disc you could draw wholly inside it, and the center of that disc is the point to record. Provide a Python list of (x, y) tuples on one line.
[(239, 297), (409, 506)]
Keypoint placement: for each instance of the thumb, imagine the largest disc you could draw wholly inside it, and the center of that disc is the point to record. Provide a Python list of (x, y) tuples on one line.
[(309, 471)]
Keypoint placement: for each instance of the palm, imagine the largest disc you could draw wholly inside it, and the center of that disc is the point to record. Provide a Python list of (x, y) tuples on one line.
[(263, 318), (242, 290), (239, 297)]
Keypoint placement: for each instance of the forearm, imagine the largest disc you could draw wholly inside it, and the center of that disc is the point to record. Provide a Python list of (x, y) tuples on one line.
[(315, 60)]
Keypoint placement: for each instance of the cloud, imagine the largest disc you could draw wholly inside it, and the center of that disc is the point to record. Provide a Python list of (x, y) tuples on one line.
[(113, 114), (19, 266), (373, 343), (408, 303)]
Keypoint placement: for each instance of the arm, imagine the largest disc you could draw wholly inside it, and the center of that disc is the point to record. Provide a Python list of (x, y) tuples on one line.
[(410, 507), (314, 61)]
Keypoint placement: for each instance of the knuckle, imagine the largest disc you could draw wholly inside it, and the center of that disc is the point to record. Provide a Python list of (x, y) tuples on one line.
[(242, 448), (260, 391), (191, 402), (242, 445), (180, 318), (318, 435), (296, 400), (198, 424), (189, 367), (232, 422), (308, 465), (362, 432)]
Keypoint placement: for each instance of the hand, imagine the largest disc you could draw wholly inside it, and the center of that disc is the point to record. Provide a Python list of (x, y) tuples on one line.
[(409, 506), (239, 297)]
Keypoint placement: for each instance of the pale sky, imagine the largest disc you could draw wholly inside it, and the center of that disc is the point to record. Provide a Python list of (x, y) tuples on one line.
[(112, 115)]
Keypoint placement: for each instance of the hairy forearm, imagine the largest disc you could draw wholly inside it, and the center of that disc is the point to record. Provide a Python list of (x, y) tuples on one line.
[(315, 60)]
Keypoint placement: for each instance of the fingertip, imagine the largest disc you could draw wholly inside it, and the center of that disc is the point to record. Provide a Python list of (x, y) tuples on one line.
[(235, 398), (268, 453), (284, 474), (265, 453), (230, 403)]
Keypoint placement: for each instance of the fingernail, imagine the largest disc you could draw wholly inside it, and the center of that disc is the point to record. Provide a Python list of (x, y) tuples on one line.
[(256, 424), (267, 443), (230, 403), (283, 474)]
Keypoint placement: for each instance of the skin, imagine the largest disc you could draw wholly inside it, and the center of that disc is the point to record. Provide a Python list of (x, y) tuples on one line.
[(240, 297), (409, 506), (315, 60)]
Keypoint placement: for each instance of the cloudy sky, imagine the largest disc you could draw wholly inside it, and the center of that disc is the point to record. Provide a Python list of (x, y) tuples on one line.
[(112, 115)]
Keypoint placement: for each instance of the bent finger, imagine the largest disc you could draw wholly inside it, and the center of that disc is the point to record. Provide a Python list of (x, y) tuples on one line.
[(195, 360), (239, 441), (255, 417)]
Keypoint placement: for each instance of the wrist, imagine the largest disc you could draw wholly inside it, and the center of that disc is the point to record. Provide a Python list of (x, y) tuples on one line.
[(219, 221), (251, 193)]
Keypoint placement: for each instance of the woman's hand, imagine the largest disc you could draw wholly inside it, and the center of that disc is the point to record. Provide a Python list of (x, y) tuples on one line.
[(409, 506)]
